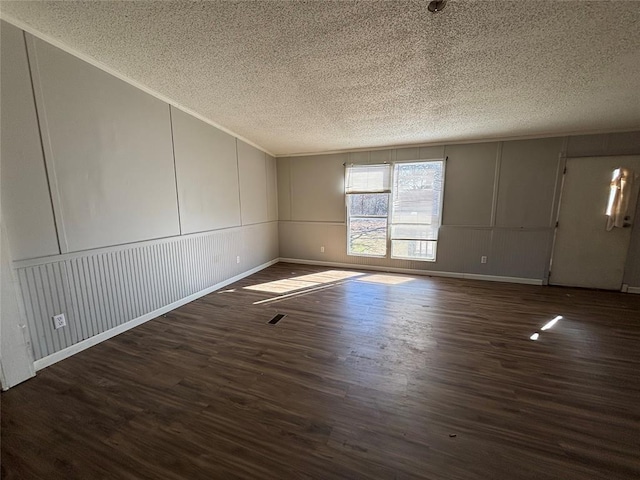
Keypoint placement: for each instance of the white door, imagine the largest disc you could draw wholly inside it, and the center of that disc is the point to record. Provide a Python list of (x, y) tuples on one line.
[(585, 254)]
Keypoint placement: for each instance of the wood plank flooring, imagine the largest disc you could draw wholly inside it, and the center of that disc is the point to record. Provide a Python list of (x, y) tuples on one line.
[(369, 375)]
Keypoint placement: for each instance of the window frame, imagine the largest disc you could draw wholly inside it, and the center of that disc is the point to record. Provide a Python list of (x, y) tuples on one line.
[(349, 217), (382, 191), (389, 245), (443, 161)]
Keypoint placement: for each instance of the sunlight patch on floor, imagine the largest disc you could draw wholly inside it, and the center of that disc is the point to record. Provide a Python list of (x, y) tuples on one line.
[(547, 326), (552, 323), (282, 286), (386, 279), (329, 276), (302, 282)]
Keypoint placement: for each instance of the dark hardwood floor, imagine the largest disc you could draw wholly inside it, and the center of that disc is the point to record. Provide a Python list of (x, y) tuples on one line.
[(368, 376)]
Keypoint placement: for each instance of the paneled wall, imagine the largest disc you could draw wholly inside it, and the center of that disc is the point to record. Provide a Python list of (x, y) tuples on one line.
[(207, 175), (317, 188), (527, 186), (116, 204), (470, 181), (108, 151), (255, 188), (500, 201), (24, 183)]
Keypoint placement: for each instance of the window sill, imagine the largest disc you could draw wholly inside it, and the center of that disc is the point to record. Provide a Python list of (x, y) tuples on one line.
[(414, 259), (365, 255)]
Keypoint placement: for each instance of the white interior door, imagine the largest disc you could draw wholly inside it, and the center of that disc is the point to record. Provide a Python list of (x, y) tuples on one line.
[(585, 254)]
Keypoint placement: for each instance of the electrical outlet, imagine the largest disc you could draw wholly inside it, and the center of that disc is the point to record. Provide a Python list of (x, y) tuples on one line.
[(238, 259), (59, 321), (321, 249), (483, 259)]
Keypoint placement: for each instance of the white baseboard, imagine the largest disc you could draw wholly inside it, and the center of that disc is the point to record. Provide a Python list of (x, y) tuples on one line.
[(101, 337), (431, 273), (499, 278), (633, 290)]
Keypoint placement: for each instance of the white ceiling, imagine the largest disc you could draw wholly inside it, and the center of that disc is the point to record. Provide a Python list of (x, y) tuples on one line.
[(298, 77)]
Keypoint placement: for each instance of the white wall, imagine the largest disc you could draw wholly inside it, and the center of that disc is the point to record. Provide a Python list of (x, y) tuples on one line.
[(207, 175), (141, 228), (31, 227), (469, 184), (108, 152), (527, 194), (16, 357), (500, 201), (252, 165), (317, 188), (272, 188)]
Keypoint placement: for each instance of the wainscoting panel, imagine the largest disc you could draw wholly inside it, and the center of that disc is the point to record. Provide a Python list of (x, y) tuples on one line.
[(45, 292), (518, 253), (456, 247), (99, 290), (521, 253)]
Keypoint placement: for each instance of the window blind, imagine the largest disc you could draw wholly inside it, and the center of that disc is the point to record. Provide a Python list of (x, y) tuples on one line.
[(368, 178)]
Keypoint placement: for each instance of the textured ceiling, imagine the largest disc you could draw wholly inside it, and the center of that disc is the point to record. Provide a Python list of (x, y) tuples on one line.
[(317, 76)]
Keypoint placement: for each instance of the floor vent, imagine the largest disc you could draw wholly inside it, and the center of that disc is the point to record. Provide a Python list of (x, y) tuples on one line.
[(277, 318)]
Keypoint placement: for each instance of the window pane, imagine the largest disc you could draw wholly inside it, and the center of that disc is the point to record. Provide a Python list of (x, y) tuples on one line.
[(419, 232), (367, 204), (416, 206), (367, 236), (418, 192), (415, 249)]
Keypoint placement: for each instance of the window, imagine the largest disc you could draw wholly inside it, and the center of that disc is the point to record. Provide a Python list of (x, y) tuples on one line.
[(408, 221), (367, 192)]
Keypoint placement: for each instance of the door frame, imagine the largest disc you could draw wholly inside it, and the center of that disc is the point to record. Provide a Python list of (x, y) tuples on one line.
[(563, 164)]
